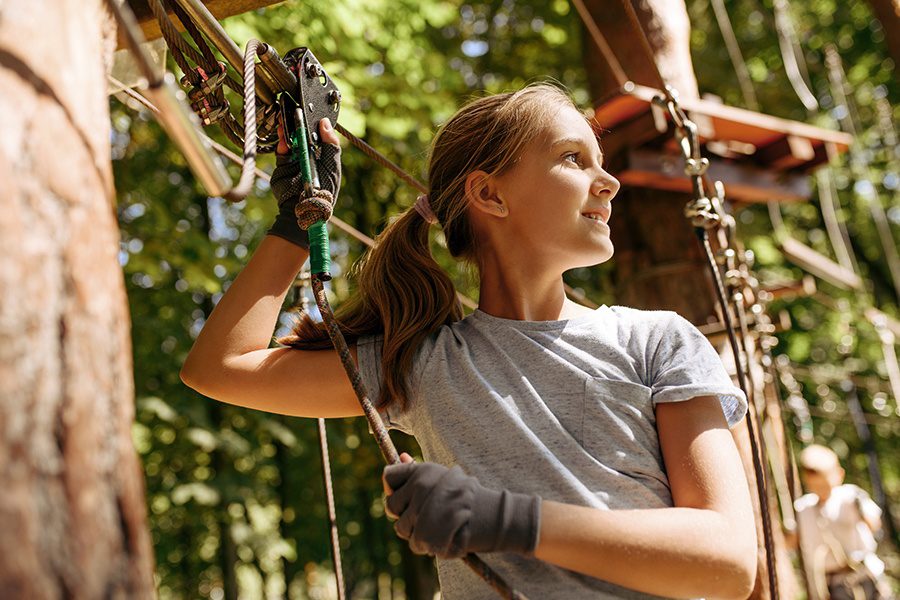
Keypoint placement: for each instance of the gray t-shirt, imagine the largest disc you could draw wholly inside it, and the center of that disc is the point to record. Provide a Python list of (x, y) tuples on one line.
[(562, 409)]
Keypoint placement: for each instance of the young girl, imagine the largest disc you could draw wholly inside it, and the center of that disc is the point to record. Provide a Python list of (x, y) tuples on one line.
[(585, 453)]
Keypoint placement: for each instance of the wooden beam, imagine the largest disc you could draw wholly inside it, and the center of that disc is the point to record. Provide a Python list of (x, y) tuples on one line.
[(819, 265), (715, 332), (652, 169), (221, 9), (787, 152), (879, 319)]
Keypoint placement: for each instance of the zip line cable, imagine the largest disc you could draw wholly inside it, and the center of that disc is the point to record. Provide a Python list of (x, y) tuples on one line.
[(234, 158)]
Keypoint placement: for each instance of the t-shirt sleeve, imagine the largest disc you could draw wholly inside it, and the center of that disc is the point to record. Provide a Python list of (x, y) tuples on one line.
[(686, 366), (869, 509), (368, 352)]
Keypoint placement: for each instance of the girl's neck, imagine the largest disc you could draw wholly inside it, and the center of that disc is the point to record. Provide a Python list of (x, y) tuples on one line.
[(525, 297)]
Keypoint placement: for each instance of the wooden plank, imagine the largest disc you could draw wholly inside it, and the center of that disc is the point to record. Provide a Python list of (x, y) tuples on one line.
[(781, 143), (221, 9), (715, 332), (804, 288), (744, 182), (819, 265)]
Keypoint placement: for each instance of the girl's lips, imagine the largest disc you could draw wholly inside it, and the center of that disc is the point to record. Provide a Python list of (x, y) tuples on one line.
[(602, 213)]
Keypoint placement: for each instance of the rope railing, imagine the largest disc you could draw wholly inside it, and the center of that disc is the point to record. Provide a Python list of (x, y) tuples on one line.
[(705, 212)]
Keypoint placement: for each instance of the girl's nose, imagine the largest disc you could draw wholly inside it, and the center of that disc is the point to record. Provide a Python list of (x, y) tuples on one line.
[(605, 183)]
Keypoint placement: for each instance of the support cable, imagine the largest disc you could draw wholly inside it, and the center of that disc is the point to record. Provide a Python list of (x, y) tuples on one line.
[(786, 42), (608, 55), (863, 170), (734, 53)]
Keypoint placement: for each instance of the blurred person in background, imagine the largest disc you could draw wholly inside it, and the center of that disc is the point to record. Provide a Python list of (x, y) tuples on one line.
[(838, 523)]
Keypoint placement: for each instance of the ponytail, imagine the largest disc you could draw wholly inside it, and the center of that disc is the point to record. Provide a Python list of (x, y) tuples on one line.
[(401, 293)]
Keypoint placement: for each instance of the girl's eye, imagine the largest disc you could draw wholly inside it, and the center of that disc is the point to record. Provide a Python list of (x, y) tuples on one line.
[(573, 156)]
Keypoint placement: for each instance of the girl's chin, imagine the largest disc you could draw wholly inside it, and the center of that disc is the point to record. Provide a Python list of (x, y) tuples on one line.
[(597, 257)]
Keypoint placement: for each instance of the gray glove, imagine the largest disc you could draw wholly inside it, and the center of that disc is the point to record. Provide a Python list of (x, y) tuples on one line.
[(446, 513), (287, 186)]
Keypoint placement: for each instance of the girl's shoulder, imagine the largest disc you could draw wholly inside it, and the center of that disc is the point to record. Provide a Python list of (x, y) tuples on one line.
[(633, 327)]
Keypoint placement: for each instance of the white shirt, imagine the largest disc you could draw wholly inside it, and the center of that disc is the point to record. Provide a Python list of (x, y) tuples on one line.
[(840, 517)]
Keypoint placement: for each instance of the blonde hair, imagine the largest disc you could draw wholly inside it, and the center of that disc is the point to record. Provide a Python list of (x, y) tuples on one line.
[(402, 292)]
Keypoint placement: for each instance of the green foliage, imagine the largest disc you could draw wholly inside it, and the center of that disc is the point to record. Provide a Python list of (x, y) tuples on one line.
[(235, 496)]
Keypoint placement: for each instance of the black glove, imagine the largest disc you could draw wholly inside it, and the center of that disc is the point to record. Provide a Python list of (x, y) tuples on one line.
[(446, 513), (295, 212)]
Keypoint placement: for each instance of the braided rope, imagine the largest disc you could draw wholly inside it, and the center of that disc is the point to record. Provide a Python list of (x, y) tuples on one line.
[(248, 169)]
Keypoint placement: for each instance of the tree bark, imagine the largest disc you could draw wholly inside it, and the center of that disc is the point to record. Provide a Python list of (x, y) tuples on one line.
[(72, 513), (659, 263), (888, 14)]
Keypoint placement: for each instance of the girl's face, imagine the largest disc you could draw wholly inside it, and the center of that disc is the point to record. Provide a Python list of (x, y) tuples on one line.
[(558, 196)]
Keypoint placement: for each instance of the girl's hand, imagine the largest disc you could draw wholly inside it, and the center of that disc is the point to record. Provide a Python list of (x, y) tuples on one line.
[(287, 182), (448, 514), (404, 458)]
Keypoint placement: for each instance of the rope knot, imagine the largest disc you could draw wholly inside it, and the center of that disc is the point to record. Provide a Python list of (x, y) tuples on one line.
[(313, 206)]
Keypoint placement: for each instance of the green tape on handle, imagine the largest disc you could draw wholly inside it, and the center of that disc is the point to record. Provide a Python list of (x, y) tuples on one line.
[(319, 252)]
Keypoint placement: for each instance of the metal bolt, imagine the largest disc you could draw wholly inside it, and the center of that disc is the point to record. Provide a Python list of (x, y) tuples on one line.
[(313, 70), (334, 96)]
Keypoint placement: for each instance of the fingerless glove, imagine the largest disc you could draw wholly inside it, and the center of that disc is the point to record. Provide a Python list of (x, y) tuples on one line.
[(287, 186), (448, 514)]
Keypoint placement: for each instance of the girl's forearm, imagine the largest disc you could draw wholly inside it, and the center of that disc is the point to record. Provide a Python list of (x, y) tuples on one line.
[(672, 552), (246, 315)]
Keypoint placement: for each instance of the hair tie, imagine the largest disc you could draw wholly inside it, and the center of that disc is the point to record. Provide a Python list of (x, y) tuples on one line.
[(423, 207)]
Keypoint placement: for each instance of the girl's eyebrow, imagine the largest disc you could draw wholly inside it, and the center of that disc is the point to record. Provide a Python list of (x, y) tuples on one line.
[(568, 140)]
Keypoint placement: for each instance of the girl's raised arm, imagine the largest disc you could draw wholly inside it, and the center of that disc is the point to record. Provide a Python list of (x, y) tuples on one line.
[(231, 360)]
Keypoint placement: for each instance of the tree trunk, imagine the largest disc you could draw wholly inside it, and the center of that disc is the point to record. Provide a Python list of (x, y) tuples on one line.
[(72, 512), (659, 262), (888, 14)]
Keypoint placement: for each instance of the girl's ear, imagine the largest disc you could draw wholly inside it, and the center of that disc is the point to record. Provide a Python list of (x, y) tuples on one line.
[(481, 194)]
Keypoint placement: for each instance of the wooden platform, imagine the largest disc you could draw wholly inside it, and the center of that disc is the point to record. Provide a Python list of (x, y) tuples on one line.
[(220, 8), (758, 157)]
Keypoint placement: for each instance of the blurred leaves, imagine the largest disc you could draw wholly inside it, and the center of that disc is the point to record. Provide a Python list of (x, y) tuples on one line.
[(235, 496)]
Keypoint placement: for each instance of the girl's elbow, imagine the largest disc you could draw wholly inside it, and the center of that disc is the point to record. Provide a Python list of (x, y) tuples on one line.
[(190, 376), (734, 580), (194, 373), (735, 561), (746, 578), (742, 566)]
